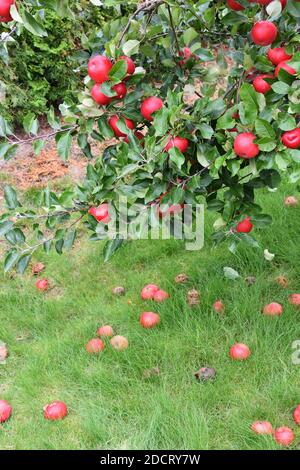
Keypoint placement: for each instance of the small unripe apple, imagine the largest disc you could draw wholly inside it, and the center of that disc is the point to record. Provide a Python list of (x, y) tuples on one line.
[(178, 142), (291, 139), (101, 213), (260, 85), (5, 411), (296, 415), (244, 147), (160, 295), (149, 319), (294, 299), (284, 66), (234, 5), (130, 64), (277, 55), (98, 68), (273, 309), (262, 427), (239, 351), (105, 331), (219, 307), (284, 436), (55, 411), (150, 106), (291, 201), (245, 226), (113, 122), (42, 284), (264, 33), (94, 346), (119, 342), (148, 291), (98, 96)]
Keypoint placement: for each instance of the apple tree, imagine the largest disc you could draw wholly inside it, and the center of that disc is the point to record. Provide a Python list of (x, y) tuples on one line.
[(240, 132)]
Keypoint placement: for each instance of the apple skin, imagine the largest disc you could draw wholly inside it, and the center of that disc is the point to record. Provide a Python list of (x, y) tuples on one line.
[(42, 284), (100, 213), (239, 352), (219, 307), (264, 33), (234, 5), (98, 96), (245, 226), (160, 296), (260, 85), (150, 106), (121, 91), (94, 346), (277, 55), (113, 120), (262, 427), (5, 15), (291, 201), (296, 415), (244, 146), (105, 331), (178, 142), (149, 319), (55, 411), (148, 291), (291, 139), (284, 436), (285, 66), (5, 411), (294, 299), (99, 67), (273, 309), (130, 64), (119, 342)]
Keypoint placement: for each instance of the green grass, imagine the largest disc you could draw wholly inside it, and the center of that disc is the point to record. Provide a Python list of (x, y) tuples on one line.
[(111, 404)]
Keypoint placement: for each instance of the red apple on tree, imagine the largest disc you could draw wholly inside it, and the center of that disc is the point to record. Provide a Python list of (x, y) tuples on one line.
[(5, 15), (150, 106), (99, 67), (245, 226), (55, 411), (291, 139), (149, 319), (234, 5), (277, 55), (260, 85), (187, 54), (101, 213), (244, 147), (130, 64), (98, 96), (264, 33), (178, 142), (284, 66), (113, 122), (121, 91)]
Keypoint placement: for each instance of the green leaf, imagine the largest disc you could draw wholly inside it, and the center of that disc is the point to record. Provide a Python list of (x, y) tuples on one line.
[(30, 124), (189, 35), (34, 26), (264, 129), (131, 47), (281, 88), (10, 260), (63, 143), (5, 227), (10, 197), (118, 71), (176, 157), (230, 273), (23, 263), (271, 178), (7, 150), (111, 247)]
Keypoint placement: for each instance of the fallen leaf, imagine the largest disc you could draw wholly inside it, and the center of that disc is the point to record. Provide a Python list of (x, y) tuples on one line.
[(268, 256), (230, 273)]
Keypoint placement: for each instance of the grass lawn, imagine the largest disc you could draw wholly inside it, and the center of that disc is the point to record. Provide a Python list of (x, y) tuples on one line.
[(111, 405)]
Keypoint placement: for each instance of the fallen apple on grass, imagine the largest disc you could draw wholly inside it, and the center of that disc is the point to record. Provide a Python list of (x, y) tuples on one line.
[(273, 309), (160, 295), (42, 284), (291, 201), (284, 436), (239, 352), (119, 342), (94, 346), (262, 427), (149, 319), (55, 411), (296, 415), (219, 307), (5, 411), (105, 331), (148, 291), (294, 299), (3, 352)]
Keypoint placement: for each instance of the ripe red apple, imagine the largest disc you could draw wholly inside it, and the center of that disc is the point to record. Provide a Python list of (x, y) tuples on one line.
[(119, 342), (264, 33), (187, 54), (296, 415), (113, 121), (121, 91), (284, 66), (245, 226), (234, 5), (42, 284), (262, 427), (178, 142), (284, 436), (244, 147), (149, 319), (160, 295), (105, 331), (98, 96), (219, 307), (239, 351), (101, 213), (266, 2), (5, 411), (5, 15), (99, 67), (150, 106), (291, 201), (55, 411), (260, 85), (171, 210), (277, 55), (273, 309), (291, 139), (95, 345), (148, 291), (130, 64), (294, 299)]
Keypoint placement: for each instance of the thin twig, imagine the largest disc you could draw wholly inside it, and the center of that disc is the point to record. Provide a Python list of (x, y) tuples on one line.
[(44, 136), (173, 29), (8, 35)]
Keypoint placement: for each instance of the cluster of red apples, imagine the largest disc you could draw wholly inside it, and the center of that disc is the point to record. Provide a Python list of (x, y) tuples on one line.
[(5, 15)]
